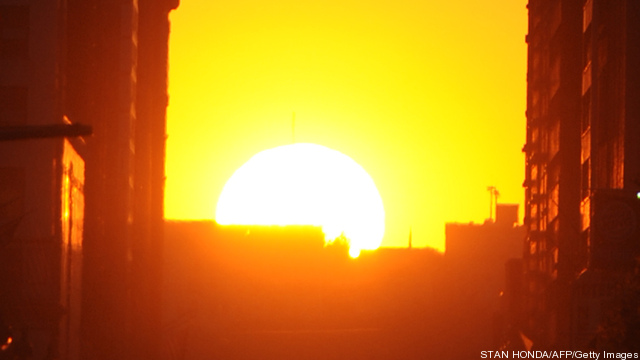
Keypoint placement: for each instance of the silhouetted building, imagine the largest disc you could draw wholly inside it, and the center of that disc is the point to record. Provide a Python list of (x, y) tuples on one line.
[(582, 161), (486, 247), (117, 82), (41, 188), (508, 321), (476, 257), (610, 131), (238, 292), (84, 216), (552, 195)]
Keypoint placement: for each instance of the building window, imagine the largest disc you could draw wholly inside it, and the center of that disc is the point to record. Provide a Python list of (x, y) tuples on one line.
[(555, 18), (554, 139), (554, 201), (586, 78), (12, 187), (13, 105), (554, 76), (603, 49), (587, 14), (14, 31), (585, 146), (586, 111)]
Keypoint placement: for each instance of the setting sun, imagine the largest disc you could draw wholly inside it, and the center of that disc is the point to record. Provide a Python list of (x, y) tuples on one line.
[(428, 97), (306, 184)]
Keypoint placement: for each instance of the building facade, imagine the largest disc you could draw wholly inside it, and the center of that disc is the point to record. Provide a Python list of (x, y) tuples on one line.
[(84, 215), (581, 163), (552, 153)]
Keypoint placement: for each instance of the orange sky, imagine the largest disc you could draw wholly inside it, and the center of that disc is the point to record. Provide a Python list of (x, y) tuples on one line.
[(428, 96)]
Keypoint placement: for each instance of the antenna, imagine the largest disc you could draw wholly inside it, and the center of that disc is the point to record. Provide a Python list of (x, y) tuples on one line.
[(293, 128), (493, 197)]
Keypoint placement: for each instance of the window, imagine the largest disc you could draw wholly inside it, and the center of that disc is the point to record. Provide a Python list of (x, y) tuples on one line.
[(586, 111), (555, 18), (554, 139), (587, 14), (554, 199), (14, 31), (586, 78), (554, 76), (13, 105), (12, 189), (585, 146), (12, 180)]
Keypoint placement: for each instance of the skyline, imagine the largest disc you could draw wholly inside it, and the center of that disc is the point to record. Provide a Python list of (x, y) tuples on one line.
[(91, 269), (428, 98)]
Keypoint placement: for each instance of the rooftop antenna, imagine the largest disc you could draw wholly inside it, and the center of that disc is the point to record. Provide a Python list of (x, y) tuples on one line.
[(493, 197), (293, 128)]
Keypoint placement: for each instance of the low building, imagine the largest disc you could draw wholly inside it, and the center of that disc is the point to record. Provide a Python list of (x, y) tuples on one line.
[(482, 267), (280, 293)]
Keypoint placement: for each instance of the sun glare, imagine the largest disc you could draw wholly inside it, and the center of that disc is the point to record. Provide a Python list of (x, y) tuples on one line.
[(306, 184)]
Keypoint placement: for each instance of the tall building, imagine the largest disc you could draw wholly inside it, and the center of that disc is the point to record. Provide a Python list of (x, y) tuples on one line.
[(83, 217), (42, 185), (610, 127), (552, 153), (610, 162), (581, 156)]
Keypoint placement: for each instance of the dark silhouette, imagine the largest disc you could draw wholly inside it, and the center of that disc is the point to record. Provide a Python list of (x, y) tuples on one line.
[(81, 216), (280, 293), (582, 169)]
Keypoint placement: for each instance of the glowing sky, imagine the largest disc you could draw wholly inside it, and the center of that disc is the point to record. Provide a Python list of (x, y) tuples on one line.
[(427, 96)]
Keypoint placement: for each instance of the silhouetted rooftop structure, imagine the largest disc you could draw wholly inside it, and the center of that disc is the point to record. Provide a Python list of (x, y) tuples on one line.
[(476, 256), (252, 292)]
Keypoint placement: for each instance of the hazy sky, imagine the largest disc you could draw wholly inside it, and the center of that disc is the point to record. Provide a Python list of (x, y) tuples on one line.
[(428, 96)]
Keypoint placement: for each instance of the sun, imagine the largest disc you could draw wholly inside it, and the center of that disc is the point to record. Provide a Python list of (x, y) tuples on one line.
[(306, 184)]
